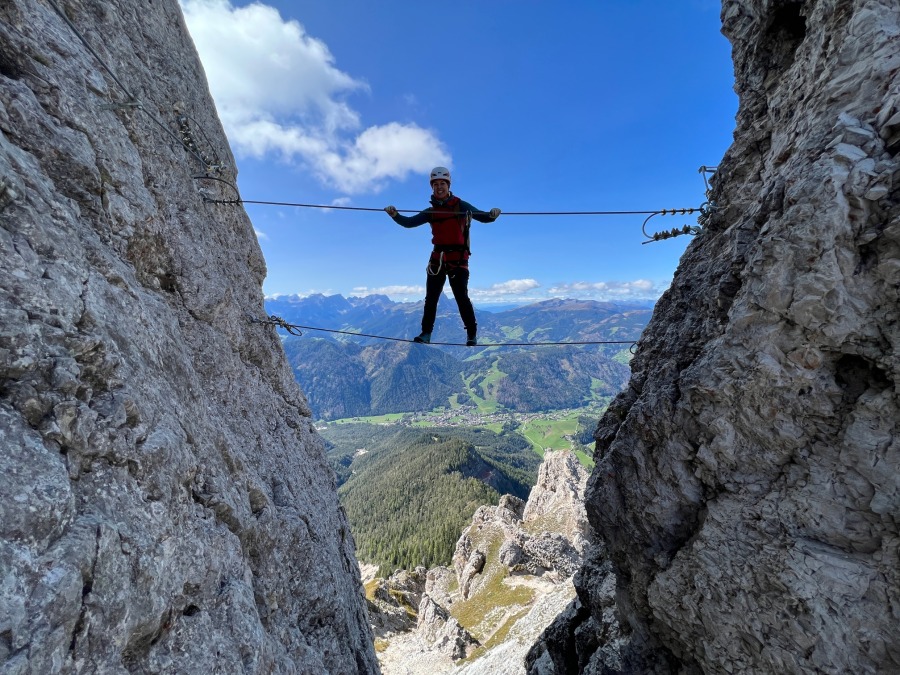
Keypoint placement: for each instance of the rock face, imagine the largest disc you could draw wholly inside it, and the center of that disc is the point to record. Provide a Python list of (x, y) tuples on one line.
[(165, 504), (393, 602), (556, 501), (548, 534), (442, 632), (507, 657), (510, 578), (747, 480)]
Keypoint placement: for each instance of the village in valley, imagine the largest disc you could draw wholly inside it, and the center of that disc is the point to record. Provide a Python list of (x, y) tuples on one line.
[(547, 431)]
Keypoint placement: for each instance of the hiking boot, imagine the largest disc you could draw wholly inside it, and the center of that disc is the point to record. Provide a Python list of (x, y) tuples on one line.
[(471, 341), (424, 338)]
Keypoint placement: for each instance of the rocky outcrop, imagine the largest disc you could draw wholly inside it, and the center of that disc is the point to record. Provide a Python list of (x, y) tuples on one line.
[(474, 566), (432, 641), (546, 535), (442, 632), (556, 502), (393, 602), (166, 504), (589, 629), (510, 578), (747, 480), (507, 656)]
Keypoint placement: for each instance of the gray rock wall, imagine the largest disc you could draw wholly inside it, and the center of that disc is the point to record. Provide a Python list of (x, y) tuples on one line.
[(165, 504), (511, 577), (748, 480)]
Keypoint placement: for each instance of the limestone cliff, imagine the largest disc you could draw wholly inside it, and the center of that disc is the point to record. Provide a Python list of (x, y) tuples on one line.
[(165, 504), (747, 480), (511, 576)]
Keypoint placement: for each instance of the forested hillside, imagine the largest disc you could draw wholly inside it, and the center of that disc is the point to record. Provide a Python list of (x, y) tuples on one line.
[(348, 380), (409, 492), (348, 377), (549, 320), (567, 378)]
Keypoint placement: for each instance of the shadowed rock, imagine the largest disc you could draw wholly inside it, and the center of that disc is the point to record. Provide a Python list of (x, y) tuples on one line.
[(165, 503), (747, 485)]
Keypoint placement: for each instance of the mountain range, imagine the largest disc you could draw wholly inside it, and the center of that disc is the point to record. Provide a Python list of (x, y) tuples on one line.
[(346, 376)]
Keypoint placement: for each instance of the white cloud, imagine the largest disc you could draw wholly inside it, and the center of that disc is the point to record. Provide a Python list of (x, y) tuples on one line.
[(392, 151), (339, 201), (513, 287), (530, 290), (608, 290), (278, 92), (261, 235), (518, 291), (395, 293)]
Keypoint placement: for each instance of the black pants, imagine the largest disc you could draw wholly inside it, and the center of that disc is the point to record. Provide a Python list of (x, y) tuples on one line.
[(459, 284)]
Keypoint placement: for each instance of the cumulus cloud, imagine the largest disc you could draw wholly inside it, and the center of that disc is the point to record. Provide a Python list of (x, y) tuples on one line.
[(278, 92), (513, 287), (339, 201), (396, 293), (530, 290), (608, 290), (521, 291)]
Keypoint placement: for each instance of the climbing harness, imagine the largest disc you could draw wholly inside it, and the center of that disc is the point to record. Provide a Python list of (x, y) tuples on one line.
[(439, 261), (438, 258)]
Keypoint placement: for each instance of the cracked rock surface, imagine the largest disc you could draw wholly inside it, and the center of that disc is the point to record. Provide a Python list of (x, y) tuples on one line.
[(165, 503), (748, 480)]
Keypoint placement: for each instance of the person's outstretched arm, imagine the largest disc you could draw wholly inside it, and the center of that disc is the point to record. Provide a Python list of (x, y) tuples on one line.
[(407, 221), (479, 215)]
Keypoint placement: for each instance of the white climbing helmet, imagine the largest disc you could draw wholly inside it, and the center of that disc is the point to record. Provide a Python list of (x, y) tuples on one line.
[(440, 173)]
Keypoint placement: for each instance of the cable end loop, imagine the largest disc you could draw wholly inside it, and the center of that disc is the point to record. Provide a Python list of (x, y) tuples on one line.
[(278, 322)]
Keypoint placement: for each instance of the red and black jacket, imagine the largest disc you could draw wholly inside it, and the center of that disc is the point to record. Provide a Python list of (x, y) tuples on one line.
[(449, 220)]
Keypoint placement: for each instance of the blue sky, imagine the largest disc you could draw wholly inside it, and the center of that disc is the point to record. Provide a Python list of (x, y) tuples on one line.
[(583, 105)]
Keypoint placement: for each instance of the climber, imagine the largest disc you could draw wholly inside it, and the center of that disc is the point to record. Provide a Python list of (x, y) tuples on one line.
[(449, 217)]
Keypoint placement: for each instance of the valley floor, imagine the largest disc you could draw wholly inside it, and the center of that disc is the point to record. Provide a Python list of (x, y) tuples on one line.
[(546, 431)]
